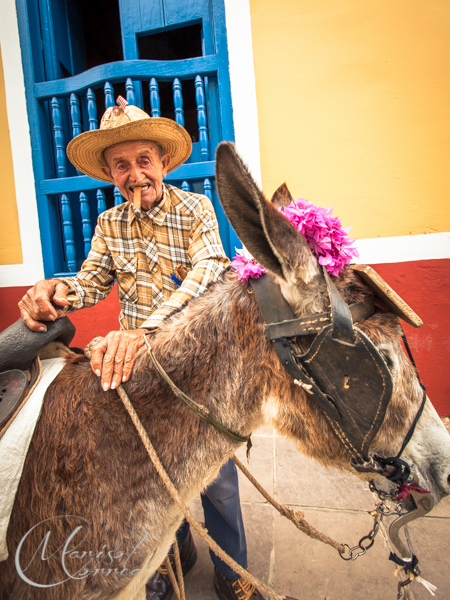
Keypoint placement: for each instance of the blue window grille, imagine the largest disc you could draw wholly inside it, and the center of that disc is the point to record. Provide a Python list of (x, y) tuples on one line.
[(64, 99)]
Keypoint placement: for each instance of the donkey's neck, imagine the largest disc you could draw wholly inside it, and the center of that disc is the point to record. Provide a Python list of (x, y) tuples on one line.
[(215, 351)]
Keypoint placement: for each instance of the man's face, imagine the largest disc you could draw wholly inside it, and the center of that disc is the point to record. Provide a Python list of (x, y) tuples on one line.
[(137, 164)]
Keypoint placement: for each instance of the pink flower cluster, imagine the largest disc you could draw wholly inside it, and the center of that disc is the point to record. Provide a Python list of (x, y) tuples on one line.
[(246, 266), (323, 232)]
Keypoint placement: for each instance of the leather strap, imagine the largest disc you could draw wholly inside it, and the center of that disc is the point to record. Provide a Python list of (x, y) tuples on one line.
[(281, 323), (315, 323), (340, 313)]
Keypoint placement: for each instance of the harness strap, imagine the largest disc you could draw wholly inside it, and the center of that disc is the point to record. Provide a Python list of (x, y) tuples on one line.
[(198, 409), (312, 324)]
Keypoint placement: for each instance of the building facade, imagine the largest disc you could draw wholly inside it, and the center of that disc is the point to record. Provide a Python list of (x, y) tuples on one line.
[(347, 103)]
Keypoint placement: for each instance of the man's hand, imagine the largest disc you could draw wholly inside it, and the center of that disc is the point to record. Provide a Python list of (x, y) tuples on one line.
[(113, 356), (37, 306)]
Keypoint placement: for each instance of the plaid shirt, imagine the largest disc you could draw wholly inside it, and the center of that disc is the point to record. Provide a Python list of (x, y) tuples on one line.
[(142, 249)]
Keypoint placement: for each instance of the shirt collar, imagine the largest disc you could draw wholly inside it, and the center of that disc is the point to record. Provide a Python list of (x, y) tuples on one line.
[(157, 214)]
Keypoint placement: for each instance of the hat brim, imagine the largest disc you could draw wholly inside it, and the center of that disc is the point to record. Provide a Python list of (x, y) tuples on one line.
[(86, 150)]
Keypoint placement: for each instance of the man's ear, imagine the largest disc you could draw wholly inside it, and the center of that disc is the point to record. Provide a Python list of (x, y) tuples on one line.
[(271, 239), (165, 161), (282, 196)]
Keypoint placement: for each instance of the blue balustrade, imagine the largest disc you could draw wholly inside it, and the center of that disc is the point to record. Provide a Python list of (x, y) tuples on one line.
[(109, 95), (207, 189), (92, 109), (58, 136), (69, 242), (201, 118), (75, 115), (85, 222), (118, 198), (131, 95), (101, 203), (178, 101), (185, 186), (154, 98)]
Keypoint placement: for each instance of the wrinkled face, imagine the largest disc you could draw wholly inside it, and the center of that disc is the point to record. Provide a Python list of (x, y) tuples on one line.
[(137, 164)]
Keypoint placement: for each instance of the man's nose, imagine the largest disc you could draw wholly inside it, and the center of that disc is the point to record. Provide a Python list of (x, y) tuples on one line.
[(136, 173)]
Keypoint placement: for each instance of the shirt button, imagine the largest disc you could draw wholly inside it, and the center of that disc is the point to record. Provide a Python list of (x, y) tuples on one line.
[(155, 269)]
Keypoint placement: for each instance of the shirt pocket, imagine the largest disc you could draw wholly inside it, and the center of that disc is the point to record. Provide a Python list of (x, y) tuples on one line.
[(126, 267)]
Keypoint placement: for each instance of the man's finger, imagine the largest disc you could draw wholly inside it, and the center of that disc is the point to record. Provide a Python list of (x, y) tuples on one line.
[(31, 323), (97, 353), (44, 306), (109, 365), (60, 295), (131, 358), (119, 361)]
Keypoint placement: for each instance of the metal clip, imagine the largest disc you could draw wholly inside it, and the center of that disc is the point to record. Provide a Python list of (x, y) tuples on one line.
[(424, 503)]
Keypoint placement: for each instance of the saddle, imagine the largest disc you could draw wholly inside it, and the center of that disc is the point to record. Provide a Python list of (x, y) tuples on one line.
[(19, 364)]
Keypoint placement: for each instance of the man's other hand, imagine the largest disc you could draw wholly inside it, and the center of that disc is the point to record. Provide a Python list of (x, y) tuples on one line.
[(113, 356), (36, 305)]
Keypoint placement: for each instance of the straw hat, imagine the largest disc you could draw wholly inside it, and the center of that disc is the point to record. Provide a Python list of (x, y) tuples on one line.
[(127, 123)]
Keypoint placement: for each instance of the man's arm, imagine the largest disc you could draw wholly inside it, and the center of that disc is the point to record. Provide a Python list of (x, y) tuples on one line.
[(208, 261), (48, 298)]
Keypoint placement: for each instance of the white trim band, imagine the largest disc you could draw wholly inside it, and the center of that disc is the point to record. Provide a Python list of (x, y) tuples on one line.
[(404, 248), (243, 86), (32, 268)]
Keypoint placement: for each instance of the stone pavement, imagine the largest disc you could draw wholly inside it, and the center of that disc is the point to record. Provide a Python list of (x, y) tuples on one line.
[(336, 503)]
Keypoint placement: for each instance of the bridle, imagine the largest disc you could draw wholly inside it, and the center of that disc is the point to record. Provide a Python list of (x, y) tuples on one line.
[(342, 371)]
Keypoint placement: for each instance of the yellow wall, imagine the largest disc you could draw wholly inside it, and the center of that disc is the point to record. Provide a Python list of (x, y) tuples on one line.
[(354, 109), (10, 247)]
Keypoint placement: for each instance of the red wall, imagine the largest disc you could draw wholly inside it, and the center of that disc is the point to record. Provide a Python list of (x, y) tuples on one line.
[(90, 322), (424, 285)]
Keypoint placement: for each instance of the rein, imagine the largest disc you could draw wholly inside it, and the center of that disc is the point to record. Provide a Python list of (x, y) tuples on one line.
[(198, 409)]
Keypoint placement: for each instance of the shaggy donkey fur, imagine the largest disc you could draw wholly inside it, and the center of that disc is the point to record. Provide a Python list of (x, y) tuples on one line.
[(86, 460)]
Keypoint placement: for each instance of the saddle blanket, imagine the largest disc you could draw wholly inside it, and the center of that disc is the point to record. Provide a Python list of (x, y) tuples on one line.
[(14, 445)]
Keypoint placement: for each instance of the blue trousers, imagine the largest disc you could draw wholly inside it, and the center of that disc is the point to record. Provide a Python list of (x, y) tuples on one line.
[(223, 520)]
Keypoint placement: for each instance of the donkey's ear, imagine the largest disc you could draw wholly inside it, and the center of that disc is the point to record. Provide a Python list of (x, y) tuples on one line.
[(282, 196), (265, 232)]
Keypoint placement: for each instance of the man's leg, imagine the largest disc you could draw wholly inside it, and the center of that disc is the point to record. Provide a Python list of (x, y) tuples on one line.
[(159, 586), (223, 519)]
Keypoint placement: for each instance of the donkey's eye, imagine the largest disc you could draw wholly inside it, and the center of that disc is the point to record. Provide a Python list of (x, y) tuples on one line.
[(387, 359)]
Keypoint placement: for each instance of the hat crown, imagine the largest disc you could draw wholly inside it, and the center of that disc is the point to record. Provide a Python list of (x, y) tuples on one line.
[(116, 116)]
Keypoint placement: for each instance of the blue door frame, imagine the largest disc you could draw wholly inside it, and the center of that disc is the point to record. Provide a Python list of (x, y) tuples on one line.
[(60, 108)]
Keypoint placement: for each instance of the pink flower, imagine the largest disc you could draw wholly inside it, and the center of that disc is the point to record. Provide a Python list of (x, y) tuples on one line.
[(246, 266), (323, 232)]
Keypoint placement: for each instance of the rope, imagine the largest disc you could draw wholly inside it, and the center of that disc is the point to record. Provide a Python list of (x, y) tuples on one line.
[(176, 554), (179, 594), (201, 531), (296, 516)]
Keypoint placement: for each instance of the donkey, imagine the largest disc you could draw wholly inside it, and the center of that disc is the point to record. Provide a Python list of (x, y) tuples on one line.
[(91, 519)]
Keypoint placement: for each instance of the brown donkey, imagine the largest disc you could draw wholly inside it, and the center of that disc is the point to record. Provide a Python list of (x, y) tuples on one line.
[(91, 518)]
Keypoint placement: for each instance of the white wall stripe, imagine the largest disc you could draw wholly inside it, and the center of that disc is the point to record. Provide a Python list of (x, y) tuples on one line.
[(243, 88), (32, 268), (404, 248)]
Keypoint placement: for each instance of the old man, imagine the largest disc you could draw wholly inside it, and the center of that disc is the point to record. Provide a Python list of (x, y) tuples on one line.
[(142, 244)]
